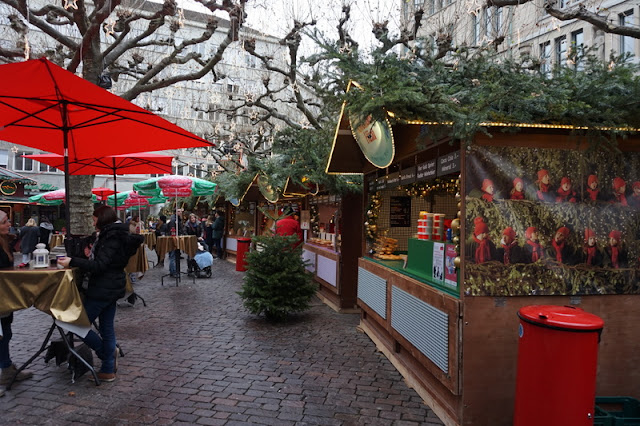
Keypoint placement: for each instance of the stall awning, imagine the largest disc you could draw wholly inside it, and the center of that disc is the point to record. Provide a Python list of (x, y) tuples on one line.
[(15, 177)]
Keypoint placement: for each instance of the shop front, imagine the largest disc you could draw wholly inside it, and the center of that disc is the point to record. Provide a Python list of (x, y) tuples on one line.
[(534, 218), (13, 199)]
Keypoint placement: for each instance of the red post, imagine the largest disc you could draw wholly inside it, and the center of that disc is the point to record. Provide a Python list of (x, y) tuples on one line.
[(243, 247)]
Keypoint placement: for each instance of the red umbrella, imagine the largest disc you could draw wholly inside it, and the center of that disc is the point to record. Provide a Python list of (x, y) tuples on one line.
[(124, 164), (102, 193), (46, 107)]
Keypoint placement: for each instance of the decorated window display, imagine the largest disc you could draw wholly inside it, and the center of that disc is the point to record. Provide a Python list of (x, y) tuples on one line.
[(558, 230)]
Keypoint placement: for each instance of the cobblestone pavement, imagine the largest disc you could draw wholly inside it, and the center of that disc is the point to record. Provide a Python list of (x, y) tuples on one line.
[(193, 355)]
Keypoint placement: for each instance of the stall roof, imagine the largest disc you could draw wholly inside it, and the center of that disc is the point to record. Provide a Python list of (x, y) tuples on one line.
[(347, 158), (15, 177)]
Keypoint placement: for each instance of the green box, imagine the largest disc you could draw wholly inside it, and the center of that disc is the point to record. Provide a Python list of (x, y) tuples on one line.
[(420, 258), (624, 410)]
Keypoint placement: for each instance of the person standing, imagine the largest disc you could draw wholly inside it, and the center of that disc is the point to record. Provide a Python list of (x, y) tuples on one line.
[(175, 228), (207, 231), (161, 231), (218, 233), (46, 229), (134, 225), (289, 226), (108, 258), (193, 227), (29, 237), (6, 261)]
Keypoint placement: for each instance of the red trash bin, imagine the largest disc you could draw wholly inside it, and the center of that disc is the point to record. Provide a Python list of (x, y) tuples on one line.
[(557, 362), (243, 247)]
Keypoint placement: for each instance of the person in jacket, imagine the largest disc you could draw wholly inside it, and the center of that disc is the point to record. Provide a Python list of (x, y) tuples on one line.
[(108, 257), (193, 227), (161, 231), (134, 225), (6, 261), (29, 237), (46, 229), (207, 231), (289, 226), (175, 228), (218, 233)]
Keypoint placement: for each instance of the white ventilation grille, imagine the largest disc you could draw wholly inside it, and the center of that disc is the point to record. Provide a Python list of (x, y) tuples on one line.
[(424, 326), (372, 290)]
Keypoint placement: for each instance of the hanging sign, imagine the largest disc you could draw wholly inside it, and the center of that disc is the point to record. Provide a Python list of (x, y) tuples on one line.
[(393, 179), (8, 188), (372, 184), (426, 170), (374, 138), (408, 175), (449, 163), (381, 183), (266, 189)]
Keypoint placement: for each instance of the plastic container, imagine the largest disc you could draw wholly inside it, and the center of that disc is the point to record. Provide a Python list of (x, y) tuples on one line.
[(556, 369), (243, 246), (623, 410)]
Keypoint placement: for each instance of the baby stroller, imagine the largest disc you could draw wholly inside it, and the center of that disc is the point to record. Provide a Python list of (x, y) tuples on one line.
[(200, 265)]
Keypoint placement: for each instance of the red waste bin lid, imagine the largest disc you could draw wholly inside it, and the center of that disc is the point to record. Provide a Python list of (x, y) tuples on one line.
[(561, 317), (244, 239)]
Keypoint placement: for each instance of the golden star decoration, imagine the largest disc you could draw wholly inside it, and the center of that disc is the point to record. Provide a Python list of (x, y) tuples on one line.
[(70, 4)]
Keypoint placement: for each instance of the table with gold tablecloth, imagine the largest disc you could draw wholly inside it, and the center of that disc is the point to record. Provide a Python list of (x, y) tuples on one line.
[(56, 240), (149, 239), (137, 263), (186, 243), (50, 290)]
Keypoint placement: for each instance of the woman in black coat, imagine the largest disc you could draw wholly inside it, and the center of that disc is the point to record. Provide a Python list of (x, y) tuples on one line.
[(108, 258), (6, 261)]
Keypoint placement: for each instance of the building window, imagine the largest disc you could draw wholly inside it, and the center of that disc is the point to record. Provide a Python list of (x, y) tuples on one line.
[(561, 51), (626, 42), (577, 48), (545, 58), (46, 168), (475, 29), (432, 7), (22, 164), (488, 22), (417, 4), (4, 158)]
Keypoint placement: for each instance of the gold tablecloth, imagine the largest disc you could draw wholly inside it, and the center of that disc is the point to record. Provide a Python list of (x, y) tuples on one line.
[(149, 239), (49, 290), (186, 243), (138, 262), (56, 240)]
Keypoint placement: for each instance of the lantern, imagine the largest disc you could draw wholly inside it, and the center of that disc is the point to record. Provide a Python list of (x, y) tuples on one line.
[(40, 256)]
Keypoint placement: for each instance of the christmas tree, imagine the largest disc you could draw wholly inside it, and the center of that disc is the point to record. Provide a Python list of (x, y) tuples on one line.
[(276, 282)]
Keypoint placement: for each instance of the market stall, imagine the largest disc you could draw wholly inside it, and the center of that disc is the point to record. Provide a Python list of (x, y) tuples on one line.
[(536, 219)]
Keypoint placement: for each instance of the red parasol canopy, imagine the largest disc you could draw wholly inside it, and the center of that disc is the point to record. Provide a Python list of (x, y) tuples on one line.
[(46, 107), (102, 193), (123, 164)]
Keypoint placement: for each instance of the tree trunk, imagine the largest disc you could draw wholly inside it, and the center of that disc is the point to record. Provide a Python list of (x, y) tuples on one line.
[(80, 205)]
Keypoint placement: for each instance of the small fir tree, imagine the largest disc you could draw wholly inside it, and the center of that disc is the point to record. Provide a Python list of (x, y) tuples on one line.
[(276, 282)]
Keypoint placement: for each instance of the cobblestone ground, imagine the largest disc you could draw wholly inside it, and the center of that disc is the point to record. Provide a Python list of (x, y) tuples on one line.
[(193, 355)]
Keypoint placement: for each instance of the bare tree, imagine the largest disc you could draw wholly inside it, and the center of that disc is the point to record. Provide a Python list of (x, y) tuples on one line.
[(121, 39)]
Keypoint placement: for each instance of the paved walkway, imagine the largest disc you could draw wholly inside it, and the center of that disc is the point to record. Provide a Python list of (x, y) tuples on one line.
[(195, 356)]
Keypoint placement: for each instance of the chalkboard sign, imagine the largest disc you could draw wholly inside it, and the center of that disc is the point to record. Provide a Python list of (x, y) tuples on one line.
[(393, 179), (400, 212), (381, 183), (408, 175), (449, 163), (372, 184), (426, 170)]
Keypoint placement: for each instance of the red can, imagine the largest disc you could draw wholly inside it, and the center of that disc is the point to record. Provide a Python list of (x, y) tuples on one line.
[(557, 362)]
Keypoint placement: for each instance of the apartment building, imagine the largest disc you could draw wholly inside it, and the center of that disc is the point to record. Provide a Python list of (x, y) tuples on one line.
[(526, 29)]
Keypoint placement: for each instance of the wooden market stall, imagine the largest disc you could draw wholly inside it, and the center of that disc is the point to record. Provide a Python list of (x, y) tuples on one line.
[(455, 338)]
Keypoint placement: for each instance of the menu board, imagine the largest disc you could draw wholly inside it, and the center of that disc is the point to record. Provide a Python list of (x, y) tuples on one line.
[(400, 212), (449, 163), (426, 170), (393, 179), (381, 183), (408, 175)]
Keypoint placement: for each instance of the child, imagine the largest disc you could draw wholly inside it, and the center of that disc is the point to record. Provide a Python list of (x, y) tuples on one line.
[(634, 199), (593, 192), (592, 256), (487, 188), (481, 248), (559, 249), (517, 193), (543, 186), (533, 249), (619, 188), (564, 192), (616, 254), (509, 251)]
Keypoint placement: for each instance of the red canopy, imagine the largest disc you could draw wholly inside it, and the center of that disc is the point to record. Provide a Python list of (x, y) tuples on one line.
[(47, 107), (125, 164)]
